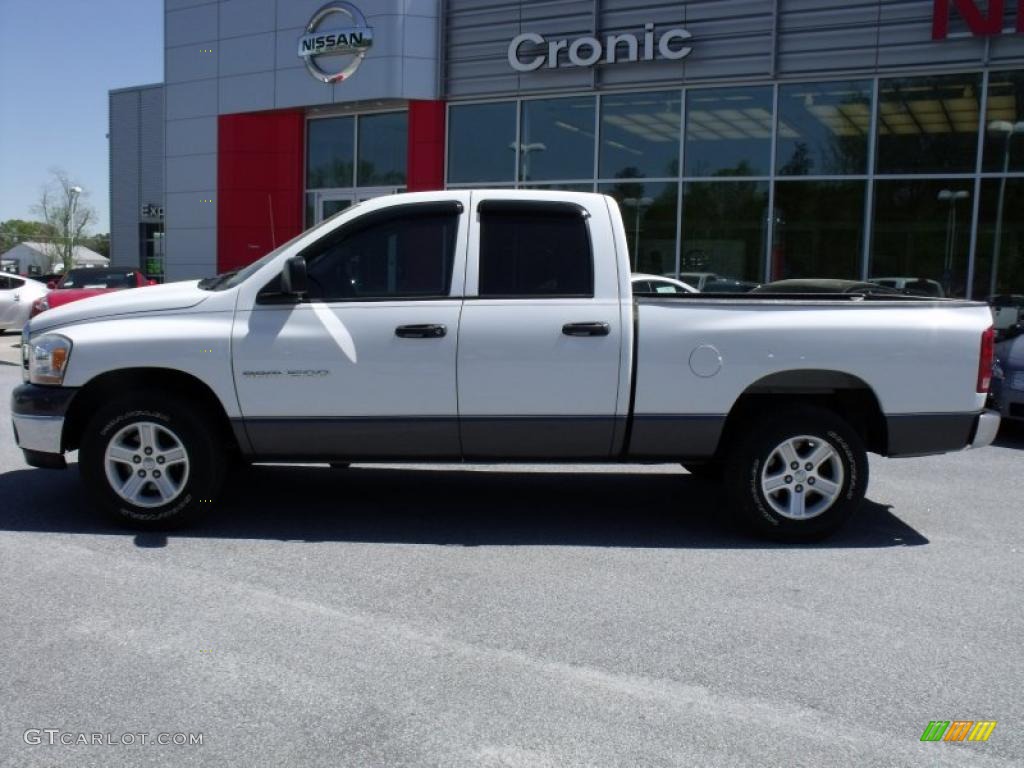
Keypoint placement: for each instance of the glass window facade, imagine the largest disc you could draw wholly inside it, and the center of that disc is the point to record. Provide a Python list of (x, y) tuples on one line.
[(1004, 123), (330, 153), (557, 139), (728, 131), (928, 124), (334, 178), (823, 128), (649, 211), (383, 147), (726, 228), (483, 141), (915, 180), (922, 231), (640, 135), (813, 218)]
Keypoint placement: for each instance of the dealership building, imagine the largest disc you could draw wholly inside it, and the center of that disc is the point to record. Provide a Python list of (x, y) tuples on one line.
[(753, 139)]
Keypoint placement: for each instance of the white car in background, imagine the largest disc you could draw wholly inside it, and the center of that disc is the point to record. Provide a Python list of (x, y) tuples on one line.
[(16, 297), (659, 284)]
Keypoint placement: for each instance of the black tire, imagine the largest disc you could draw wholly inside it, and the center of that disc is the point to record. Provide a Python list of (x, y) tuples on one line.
[(198, 482), (745, 468)]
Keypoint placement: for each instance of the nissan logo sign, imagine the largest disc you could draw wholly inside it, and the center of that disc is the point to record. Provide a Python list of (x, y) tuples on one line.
[(348, 43), (588, 51)]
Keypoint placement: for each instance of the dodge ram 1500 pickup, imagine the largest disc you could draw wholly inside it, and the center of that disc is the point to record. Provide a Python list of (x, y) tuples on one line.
[(495, 325)]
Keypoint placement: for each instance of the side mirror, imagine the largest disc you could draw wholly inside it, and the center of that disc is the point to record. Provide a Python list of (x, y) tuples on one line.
[(294, 281)]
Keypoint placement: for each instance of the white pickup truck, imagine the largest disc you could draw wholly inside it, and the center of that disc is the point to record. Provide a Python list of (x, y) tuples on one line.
[(494, 326)]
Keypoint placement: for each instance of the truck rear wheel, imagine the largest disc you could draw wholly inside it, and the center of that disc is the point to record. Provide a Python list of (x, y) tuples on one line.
[(796, 476), (151, 462)]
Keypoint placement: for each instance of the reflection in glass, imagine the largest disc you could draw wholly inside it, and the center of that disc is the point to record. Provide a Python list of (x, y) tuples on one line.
[(922, 232), (640, 135), (724, 228), (649, 213), (823, 128), (1004, 122), (481, 138), (1008, 275), (586, 186), (728, 132), (329, 154), (818, 229), (557, 138), (928, 124), (383, 143)]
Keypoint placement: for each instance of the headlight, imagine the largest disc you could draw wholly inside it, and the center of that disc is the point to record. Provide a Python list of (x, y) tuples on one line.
[(48, 357)]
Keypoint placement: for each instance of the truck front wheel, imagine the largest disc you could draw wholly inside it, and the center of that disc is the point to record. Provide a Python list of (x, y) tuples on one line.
[(796, 476), (150, 461)]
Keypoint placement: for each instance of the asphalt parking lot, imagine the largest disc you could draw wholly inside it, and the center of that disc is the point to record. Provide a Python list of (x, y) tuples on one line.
[(555, 616)]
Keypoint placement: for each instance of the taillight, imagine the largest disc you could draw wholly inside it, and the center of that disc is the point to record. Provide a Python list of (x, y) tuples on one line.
[(988, 343)]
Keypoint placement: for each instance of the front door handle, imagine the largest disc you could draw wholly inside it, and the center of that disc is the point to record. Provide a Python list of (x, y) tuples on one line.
[(586, 329), (420, 331)]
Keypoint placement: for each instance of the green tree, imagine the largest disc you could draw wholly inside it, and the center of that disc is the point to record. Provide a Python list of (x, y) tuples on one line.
[(14, 231), (64, 208), (99, 243)]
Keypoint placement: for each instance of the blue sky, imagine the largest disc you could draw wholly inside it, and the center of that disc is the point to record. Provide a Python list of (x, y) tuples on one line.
[(58, 59)]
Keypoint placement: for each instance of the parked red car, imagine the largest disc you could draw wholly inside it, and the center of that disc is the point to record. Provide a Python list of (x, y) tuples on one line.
[(82, 283)]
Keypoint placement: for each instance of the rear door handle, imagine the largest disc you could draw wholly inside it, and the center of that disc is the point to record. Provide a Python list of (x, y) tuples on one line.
[(420, 331), (586, 329)]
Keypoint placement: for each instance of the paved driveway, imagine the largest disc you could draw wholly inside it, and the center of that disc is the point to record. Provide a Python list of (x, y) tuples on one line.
[(559, 616)]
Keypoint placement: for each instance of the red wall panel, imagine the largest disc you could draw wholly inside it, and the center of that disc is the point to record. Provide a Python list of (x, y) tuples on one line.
[(425, 166), (260, 158)]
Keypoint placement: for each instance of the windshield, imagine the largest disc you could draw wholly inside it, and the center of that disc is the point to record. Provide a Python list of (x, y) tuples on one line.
[(99, 279)]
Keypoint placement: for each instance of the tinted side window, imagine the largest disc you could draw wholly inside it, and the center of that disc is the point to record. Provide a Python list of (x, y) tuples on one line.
[(535, 253), (405, 257), (5, 283)]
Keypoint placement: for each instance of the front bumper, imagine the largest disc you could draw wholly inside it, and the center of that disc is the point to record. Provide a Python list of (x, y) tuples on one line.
[(38, 414)]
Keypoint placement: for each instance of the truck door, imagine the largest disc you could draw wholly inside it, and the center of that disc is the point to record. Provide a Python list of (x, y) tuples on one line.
[(363, 366), (541, 332)]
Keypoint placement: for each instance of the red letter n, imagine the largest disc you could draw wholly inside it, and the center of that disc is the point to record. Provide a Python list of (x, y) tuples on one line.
[(979, 24)]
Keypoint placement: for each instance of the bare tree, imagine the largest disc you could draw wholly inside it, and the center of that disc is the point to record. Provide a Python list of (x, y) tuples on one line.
[(64, 207)]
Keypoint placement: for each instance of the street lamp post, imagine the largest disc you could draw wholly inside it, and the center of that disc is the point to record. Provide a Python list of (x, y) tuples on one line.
[(526, 150), (952, 197), (637, 204), (1008, 130), (75, 192)]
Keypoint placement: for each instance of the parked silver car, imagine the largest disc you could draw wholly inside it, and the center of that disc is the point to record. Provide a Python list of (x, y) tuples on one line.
[(1008, 376)]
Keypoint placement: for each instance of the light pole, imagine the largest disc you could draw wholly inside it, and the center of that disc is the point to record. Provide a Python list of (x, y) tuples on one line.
[(526, 149), (75, 192), (637, 204), (1007, 130), (952, 197)]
